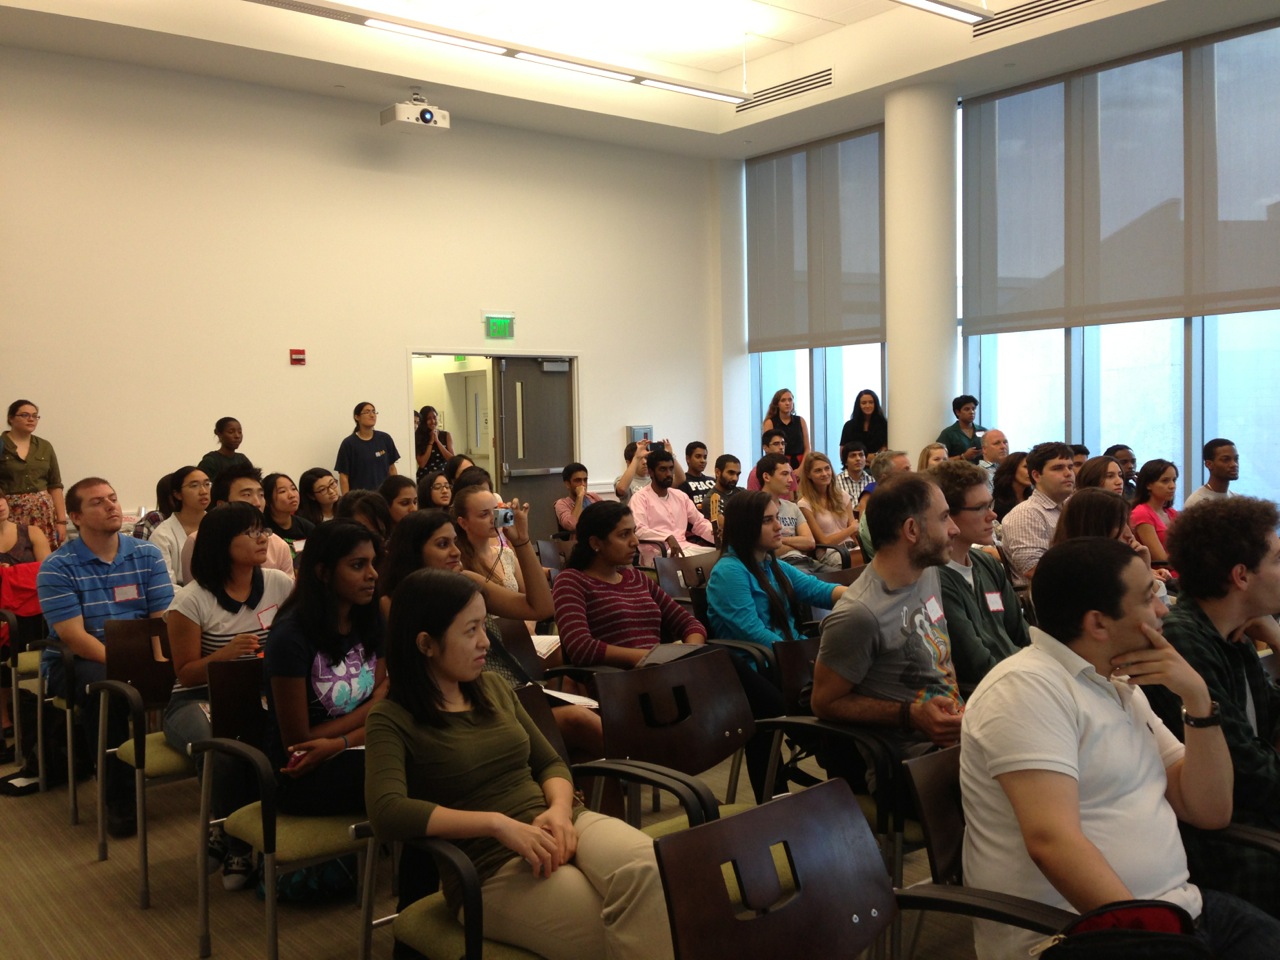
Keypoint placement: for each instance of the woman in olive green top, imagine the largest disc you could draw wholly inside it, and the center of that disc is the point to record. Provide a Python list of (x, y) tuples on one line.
[(29, 473), (451, 753)]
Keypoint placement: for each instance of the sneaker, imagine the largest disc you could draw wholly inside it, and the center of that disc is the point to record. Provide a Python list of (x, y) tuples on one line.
[(215, 849), (122, 821), (237, 872)]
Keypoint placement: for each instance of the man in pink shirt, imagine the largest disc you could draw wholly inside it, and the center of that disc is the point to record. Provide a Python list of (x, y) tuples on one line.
[(663, 513)]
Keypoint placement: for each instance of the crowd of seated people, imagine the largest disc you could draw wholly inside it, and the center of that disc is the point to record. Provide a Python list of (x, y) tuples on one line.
[(333, 582)]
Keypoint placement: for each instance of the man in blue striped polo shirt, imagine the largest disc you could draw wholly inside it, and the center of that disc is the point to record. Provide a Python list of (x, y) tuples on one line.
[(101, 576)]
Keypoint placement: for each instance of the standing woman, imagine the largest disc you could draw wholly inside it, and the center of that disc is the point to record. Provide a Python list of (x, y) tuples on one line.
[(782, 416), (230, 435), (185, 502), (324, 671), (29, 474), (825, 507), (280, 515), (317, 495), (866, 424), (434, 490), (367, 456), (432, 446), (1011, 483), (1153, 512), (224, 613)]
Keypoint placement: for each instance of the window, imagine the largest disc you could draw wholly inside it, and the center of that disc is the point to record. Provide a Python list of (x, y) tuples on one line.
[(1241, 397), (1022, 386)]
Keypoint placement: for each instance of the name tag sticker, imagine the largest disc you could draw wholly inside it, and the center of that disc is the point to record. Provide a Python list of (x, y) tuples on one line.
[(268, 616), (127, 592), (933, 608), (995, 602)]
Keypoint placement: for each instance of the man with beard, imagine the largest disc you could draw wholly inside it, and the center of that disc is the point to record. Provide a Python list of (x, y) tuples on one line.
[(1222, 460), (885, 657), (662, 513)]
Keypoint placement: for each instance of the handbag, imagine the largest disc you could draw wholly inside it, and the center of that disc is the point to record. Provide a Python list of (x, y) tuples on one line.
[(1128, 930)]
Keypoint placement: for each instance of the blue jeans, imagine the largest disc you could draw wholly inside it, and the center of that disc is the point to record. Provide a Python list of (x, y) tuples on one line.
[(118, 775), (185, 723), (1232, 928)]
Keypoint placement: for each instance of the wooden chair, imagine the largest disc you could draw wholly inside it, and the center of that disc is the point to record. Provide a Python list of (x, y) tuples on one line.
[(140, 671), (550, 556), (238, 719)]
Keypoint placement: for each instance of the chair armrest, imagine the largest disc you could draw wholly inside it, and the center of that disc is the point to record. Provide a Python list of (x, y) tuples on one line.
[(840, 548), (68, 665), (660, 544), (262, 769), (360, 831), (137, 714), (582, 674), (1260, 838), (758, 653), (985, 905), (699, 803), (448, 854)]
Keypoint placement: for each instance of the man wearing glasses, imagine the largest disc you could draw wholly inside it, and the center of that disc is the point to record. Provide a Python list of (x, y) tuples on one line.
[(99, 577), (242, 485), (983, 615)]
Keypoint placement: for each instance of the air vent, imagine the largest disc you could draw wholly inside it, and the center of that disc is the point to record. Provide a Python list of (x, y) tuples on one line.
[(783, 91), (1023, 13), (314, 10)]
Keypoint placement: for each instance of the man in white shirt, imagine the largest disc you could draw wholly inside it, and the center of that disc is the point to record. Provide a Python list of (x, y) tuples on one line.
[(663, 513), (1072, 786), (1223, 463)]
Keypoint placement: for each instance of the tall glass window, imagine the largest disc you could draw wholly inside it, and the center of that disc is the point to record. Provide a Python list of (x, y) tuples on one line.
[(849, 371), (1242, 397), (1022, 389)]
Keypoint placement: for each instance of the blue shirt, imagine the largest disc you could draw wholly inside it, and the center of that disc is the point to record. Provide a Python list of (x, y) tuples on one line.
[(74, 582), (739, 608)]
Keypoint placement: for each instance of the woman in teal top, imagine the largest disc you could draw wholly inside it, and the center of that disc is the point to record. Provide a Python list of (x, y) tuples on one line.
[(751, 594)]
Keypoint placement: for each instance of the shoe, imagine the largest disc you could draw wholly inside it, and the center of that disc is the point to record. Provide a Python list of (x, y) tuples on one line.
[(237, 872), (122, 821), (215, 849)]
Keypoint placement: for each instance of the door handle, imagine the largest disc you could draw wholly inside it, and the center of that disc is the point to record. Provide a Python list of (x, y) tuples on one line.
[(506, 472)]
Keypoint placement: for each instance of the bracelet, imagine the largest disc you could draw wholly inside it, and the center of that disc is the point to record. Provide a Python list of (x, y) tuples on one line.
[(345, 744), (904, 715), (522, 543), (59, 523)]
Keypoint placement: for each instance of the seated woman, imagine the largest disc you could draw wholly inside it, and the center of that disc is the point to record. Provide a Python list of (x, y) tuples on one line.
[(1011, 483), (281, 512), (324, 672), (1093, 512), (222, 614), (318, 495), (1103, 472), (751, 595), (483, 551), (368, 508), (186, 498), (930, 455), (401, 494), (456, 465), (1153, 512), (434, 490), (452, 754), (825, 507)]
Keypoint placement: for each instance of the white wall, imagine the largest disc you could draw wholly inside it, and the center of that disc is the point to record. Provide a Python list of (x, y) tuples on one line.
[(166, 238)]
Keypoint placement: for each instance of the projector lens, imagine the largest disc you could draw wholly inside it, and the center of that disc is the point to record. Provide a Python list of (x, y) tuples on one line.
[(427, 116)]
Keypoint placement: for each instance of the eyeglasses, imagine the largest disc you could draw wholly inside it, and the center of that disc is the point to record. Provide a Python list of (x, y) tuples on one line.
[(366, 413), (26, 416), (440, 485), (198, 485), (980, 508), (261, 533), (329, 487)]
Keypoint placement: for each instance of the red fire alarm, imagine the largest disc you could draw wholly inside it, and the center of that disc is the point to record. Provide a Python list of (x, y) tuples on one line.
[(298, 358)]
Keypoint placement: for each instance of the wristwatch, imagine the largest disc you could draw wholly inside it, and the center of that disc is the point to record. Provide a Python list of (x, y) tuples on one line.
[(1214, 719)]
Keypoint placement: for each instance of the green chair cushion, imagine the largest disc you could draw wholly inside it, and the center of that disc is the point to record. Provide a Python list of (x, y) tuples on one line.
[(912, 831), (428, 927), (28, 663), (162, 759), (297, 838)]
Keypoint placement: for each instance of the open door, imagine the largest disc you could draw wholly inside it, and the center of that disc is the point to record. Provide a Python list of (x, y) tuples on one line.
[(534, 437)]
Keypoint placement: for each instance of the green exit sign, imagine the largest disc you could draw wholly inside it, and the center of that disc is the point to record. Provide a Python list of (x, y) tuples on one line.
[(500, 326)]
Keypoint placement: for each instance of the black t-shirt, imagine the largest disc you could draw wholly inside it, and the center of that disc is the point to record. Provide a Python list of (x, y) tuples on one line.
[(698, 488)]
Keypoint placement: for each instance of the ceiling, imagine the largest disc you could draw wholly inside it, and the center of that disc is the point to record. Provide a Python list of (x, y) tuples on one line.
[(870, 46)]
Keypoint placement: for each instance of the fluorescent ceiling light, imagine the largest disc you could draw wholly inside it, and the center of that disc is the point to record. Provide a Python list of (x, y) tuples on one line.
[(437, 37), (677, 88), (952, 9), (576, 67)]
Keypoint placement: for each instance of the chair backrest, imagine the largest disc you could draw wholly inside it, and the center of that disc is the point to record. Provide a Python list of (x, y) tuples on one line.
[(549, 556), (698, 600), (795, 660), (800, 875), (688, 714), (696, 568), (138, 654), (515, 637), (535, 703), (668, 570), (236, 708), (935, 785), (845, 576)]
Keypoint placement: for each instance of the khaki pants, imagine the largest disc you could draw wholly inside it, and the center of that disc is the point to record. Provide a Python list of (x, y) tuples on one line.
[(607, 903)]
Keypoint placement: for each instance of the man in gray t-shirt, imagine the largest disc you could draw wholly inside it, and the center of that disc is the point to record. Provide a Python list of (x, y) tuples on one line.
[(885, 658)]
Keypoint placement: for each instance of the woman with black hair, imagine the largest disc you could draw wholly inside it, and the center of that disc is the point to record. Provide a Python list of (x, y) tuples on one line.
[(222, 614), (1153, 512), (281, 511), (230, 435), (401, 494), (324, 671), (432, 446), (183, 500), (452, 754), (317, 495), (455, 466), (751, 595), (434, 490), (366, 456), (1011, 483), (866, 424), (368, 508)]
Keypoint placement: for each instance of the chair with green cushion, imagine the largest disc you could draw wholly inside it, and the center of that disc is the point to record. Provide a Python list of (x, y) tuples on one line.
[(140, 671), (238, 718), (69, 705)]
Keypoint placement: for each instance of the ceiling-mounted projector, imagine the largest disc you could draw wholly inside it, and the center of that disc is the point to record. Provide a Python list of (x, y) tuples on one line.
[(417, 112)]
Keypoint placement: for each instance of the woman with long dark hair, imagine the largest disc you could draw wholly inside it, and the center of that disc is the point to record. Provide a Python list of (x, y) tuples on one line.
[(1103, 472), (751, 595), (185, 501), (324, 672), (1011, 483), (281, 511), (866, 424), (451, 753), (1153, 512), (434, 490), (432, 447), (401, 494), (317, 495)]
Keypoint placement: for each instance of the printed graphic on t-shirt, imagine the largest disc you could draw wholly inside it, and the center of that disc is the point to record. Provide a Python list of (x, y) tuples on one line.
[(343, 686), (928, 653)]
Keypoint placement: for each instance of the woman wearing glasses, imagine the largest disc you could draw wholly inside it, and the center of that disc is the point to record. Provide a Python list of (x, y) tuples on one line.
[(367, 456), (29, 473), (318, 494), (224, 613), (183, 505)]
